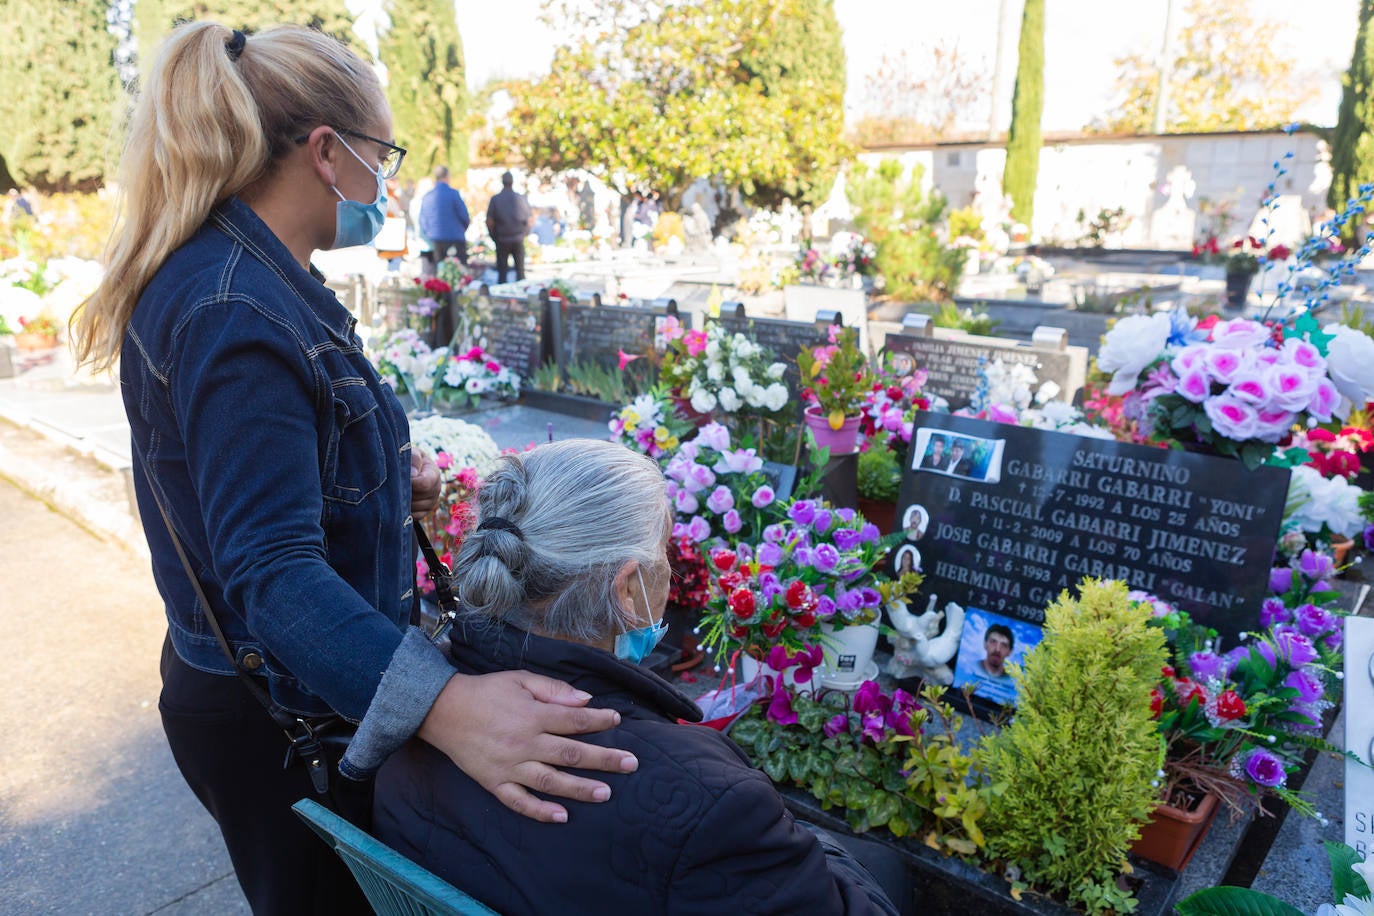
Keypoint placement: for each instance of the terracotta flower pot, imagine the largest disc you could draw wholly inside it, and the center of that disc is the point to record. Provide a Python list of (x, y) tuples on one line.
[(28, 340), (882, 514), (1172, 835)]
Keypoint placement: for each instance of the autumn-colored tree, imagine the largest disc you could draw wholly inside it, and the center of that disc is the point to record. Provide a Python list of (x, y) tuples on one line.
[(1027, 107), (922, 97), (1224, 75), (1352, 142), (657, 95), (154, 18), (426, 84), (62, 95)]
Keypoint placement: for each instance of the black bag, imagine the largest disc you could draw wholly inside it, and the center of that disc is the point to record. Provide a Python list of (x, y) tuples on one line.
[(320, 742)]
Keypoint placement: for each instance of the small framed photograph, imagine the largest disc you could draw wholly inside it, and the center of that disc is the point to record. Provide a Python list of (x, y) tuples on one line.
[(989, 643)]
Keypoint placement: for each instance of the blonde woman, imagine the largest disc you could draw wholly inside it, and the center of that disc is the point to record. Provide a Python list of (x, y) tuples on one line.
[(283, 462)]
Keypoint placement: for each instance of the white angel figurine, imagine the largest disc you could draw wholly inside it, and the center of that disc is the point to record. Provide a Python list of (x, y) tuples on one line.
[(919, 652)]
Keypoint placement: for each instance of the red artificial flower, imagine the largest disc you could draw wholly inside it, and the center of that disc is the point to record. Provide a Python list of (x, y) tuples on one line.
[(732, 580), (1230, 706), (1187, 690), (799, 596), (1321, 435), (1279, 253), (774, 625), (738, 632), (1168, 671), (723, 559), (1156, 702), (805, 620), (742, 603)]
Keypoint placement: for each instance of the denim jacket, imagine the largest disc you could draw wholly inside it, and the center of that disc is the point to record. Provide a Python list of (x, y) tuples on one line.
[(284, 464)]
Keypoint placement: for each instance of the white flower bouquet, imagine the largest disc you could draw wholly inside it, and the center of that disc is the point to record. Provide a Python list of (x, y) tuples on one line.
[(716, 370)]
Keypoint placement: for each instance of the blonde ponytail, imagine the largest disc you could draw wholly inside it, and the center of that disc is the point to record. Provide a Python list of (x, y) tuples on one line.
[(204, 127)]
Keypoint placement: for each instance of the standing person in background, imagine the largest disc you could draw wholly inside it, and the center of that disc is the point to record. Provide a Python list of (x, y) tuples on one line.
[(508, 222), (444, 221), (244, 156)]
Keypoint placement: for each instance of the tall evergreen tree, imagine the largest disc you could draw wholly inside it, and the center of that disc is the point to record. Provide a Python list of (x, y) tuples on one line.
[(154, 18), (62, 95), (1027, 106), (426, 83), (1352, 142)]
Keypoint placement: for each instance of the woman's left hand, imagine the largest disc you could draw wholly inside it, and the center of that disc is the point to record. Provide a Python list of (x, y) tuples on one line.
[(425, 483)]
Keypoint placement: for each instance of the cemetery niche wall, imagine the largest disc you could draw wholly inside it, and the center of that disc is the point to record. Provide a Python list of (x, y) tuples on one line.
[(1016, 515)]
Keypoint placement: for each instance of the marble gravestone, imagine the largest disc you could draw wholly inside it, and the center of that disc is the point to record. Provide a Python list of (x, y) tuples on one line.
[(1017, 515), (1359, 734)]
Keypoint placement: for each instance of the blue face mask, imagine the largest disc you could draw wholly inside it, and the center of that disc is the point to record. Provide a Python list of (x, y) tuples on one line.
[(358, 223), (635, 645)]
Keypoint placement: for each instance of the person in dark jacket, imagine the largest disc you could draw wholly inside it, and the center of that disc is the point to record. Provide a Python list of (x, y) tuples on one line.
[(508, 222), (567, 574), (444, 221)]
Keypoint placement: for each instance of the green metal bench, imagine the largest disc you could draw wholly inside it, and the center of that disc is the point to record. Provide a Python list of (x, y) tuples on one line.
[(394, 885)]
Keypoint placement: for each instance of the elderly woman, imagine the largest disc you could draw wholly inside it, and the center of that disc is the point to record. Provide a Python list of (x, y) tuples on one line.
[(567, 575)]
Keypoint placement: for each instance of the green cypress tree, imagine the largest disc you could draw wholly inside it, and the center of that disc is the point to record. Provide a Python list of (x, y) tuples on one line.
[(1352, 142), (426, 83), (1027, 106), (154, 18), (63, 93)]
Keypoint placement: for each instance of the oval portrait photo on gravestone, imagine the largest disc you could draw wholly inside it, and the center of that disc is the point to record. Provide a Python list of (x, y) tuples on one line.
[(915, 521)]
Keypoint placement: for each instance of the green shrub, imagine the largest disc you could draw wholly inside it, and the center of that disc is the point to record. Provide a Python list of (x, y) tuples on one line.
[(904, 223), (880, 474), (1079, 759)]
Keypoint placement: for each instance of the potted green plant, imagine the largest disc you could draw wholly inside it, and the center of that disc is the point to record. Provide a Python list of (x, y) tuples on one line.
[(879, 477), (1083, 720), (838, 380)]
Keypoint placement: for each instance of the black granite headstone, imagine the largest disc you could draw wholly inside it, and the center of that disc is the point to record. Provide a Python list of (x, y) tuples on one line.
[(512, 331), (599, 334), (952, 366), (1021, 514), (784, 339)]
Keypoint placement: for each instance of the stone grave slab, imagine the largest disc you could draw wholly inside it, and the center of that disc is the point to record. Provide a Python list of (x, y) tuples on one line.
[(952, 360)]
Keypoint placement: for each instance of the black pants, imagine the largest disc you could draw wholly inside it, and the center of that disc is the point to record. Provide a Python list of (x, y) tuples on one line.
[(439, 250), (505, 252), (230, 754)]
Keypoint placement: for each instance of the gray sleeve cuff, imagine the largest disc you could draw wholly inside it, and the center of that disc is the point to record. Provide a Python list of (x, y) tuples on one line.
[(411, 683)]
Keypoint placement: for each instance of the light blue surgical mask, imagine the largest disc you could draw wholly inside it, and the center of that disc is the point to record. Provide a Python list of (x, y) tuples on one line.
[(635, 645), (358, 223)]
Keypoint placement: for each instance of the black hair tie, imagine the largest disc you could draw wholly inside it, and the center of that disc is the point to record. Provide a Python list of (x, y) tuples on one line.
[(234, 46), (502, 524)]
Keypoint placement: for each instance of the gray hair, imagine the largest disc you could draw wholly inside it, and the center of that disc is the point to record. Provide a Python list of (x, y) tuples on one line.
[(584, 508)]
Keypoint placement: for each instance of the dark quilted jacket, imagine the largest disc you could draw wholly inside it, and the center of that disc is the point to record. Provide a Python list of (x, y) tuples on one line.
[(695, 830)]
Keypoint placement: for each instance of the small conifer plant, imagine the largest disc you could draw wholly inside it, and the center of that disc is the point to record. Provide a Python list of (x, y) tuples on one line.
[(1075, 768)]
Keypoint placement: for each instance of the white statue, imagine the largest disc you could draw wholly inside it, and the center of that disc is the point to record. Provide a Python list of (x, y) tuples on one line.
[(919, 652)]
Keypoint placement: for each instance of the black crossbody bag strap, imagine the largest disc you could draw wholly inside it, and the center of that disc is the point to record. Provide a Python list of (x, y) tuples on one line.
[(442, 578), (305, 744)]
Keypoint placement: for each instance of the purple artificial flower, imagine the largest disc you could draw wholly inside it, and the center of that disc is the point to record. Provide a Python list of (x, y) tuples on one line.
[(1316, 565), (763, 496), (679, 530), (1308, 685), (770, 586), (744, 552), (1273, 611), (698, 529), (802, 512), (685, 503), (721, 500), (741, 461), (1280, 579), (824, 558), (870, 597), (845, 515), (849, 603), (1263, 768), (1369, 538), (773, 533), (846, 539), (1295, 649), (869, 533), (1313, 621), (1309, 718), (1265, 650), (699, 477), (769, 554), (732, 522), (822, 520), (1334, 639), (780, 709), (836, 725), (825, 607), (1321, 585), (714, 435), (1207, 666)]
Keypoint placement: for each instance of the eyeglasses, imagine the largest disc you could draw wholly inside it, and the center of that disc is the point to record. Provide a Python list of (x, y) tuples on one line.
[(391, 161)]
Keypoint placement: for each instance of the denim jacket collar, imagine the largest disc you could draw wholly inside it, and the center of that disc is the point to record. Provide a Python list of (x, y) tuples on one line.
[(238, 221)]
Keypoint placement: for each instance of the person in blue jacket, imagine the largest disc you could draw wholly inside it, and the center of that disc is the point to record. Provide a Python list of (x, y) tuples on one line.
[(567, 574), (284, 463), (444, 221)]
